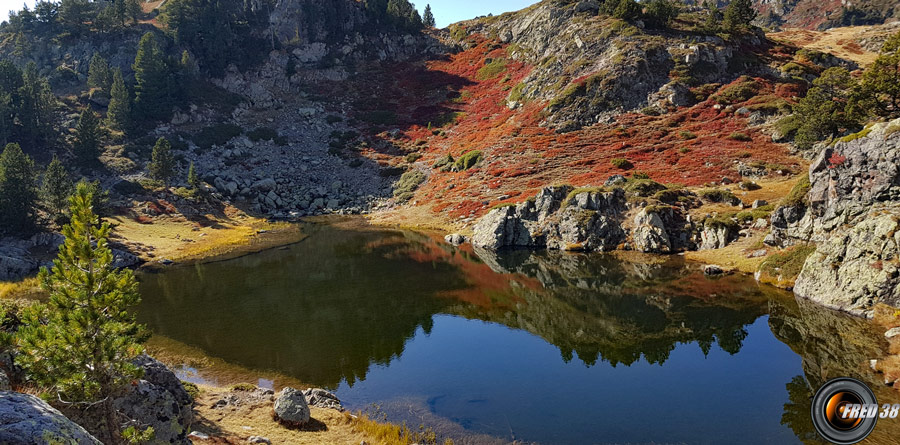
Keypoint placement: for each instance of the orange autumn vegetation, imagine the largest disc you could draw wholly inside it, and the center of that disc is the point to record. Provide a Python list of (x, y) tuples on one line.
[(521, 156)]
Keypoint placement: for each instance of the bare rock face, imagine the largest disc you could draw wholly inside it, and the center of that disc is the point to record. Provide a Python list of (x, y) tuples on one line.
[(649, 233), (28, 420), (856, 268), (851, 212)]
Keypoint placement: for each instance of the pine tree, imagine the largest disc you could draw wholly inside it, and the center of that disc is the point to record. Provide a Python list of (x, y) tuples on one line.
[(712, 18), (74, 13), (627, 10), (18, 191), (56, 188), (428, 17), (826, 110), (99, 75), (739, 13), (192, 178), (118, 114), (99, 196), (87, 137), (36, 105), (133, 10), (151, 98), (880, 86), (162, 163), (81, 345)]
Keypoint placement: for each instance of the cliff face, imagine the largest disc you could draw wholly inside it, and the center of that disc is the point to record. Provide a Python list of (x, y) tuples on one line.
[(851, 211), (810, 14)]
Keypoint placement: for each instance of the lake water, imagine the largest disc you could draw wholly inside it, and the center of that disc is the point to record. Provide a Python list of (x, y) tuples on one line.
[(535, 347)]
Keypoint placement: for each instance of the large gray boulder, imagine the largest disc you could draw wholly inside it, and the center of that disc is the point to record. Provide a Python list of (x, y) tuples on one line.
[(26, 419), (291, 407), (504, 227)]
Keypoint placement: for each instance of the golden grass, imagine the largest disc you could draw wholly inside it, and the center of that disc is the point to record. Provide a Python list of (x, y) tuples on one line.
[(28, 288), (182, 241), (234, 424), (732, 257), (391, 434)]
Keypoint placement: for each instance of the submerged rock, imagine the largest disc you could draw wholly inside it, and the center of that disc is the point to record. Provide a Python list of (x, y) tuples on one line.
[(26, 419), (291, 407)]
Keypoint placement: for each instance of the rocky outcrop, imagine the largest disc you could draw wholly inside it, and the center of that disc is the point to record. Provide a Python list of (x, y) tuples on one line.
[(851, 212), (28, 420), (291, 407), (157, 400), (322, 399), (588, 220), (20, 258), (856, 267)]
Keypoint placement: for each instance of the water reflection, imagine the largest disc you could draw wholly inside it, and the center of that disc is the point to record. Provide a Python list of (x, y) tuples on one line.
[(346, 304)]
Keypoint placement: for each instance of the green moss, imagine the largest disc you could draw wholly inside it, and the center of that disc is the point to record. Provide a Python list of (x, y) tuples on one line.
[(741, 91), (491, 70), (687, 135), (717, 195), (446, 161), (797, 196), (788, 263), (408, 182), (738, 136), (191, 389), (721, 222), (516, 94), (468, 160), (643, 187), (855, 136), (788, 125), (243, 387), (622, 163)]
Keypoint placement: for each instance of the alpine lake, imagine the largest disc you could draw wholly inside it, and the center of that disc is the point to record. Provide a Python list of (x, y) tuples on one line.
[(485, 347)]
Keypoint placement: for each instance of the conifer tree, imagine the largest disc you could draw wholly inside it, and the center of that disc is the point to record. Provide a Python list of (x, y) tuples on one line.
[(87, 137), (428, 17), (879, 92), (118, 114), (18, 191), (56, 188), (99, 75), (162, 162), (81, 346), (36, 105), (739, 13), (711, 25), (192, 178), (151, 98)]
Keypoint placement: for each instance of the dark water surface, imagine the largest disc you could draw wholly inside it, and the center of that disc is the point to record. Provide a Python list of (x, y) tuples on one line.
[(544, 347)]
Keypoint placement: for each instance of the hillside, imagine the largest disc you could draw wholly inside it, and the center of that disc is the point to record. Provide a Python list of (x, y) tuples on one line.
[(819, 15)]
